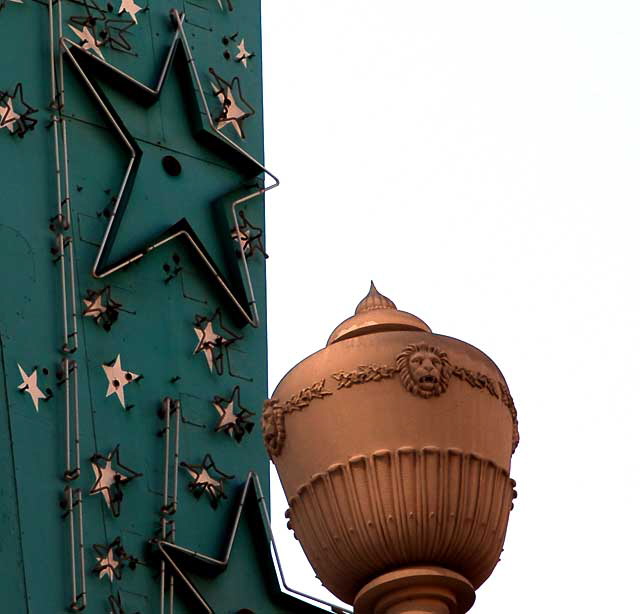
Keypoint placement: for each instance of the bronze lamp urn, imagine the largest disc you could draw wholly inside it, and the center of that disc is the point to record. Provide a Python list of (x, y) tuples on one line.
[(393, 445)]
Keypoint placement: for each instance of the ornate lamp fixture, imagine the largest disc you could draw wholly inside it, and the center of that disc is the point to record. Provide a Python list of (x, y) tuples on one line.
[(393, 445)]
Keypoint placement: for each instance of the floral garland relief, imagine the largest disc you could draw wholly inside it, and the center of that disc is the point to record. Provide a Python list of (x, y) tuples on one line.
[(424, 371)]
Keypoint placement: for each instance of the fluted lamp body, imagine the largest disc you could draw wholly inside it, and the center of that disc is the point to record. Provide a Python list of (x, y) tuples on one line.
[(393, 445)]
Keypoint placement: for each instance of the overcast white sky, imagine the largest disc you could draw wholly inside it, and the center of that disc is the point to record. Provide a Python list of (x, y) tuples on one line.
[(480, 162)]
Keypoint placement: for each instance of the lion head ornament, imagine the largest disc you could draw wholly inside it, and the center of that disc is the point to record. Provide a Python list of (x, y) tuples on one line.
[(424, 370), (273, 430)]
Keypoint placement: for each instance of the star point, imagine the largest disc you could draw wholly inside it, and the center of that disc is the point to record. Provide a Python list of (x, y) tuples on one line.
[(204, 481), (236, 425), (243, 55), (16, 122), (88, 41), (8, 116), (109, 480), (208, 341), (131, 8), (30, 386), (107, 565), (94, 308), (232, 113)]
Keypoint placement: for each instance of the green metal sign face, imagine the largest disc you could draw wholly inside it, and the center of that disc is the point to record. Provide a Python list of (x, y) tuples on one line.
[(134, 357)]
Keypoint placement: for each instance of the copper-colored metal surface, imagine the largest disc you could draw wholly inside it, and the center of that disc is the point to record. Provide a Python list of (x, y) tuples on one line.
[(393, 445)]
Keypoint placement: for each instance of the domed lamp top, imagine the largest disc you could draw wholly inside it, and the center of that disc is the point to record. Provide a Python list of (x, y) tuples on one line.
[(376, 313)]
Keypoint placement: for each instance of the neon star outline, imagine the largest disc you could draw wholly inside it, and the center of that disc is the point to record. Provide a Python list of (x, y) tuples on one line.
[(176, 556), (103, 314), (22, 122), (80, 58), (111, 560), (236, 425), (109, 481), (107, 26), (210, 341), (107, 564), (228, 94), (247, 238), (203, 481)]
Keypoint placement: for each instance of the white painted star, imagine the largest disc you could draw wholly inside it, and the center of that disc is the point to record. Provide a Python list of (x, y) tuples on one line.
[(227, 417), (88, 41), (105, 479), (30, 385), (8, 116), (108, 565), (95, 308), (243, 55), (207, 341), (204, 478), (232, 114), (118, 378), (130, 7), (242, 237)]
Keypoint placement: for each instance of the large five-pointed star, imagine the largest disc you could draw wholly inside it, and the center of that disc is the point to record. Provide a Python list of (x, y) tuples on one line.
[(236, 283), (179, 559)]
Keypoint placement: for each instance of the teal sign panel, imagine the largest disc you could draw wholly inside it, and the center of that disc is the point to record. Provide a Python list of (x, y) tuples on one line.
[(132, 319)]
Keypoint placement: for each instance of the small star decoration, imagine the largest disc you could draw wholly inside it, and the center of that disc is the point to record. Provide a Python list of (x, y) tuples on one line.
[(229, 94), (88, 40), (111, 559), (109, 480), (104, 29), (243, 55), (236, 425), (204, 481), (30, 386), (118, 378), (131, 8), (212, 343), (16, 121), (101, 307), (249, 237)]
